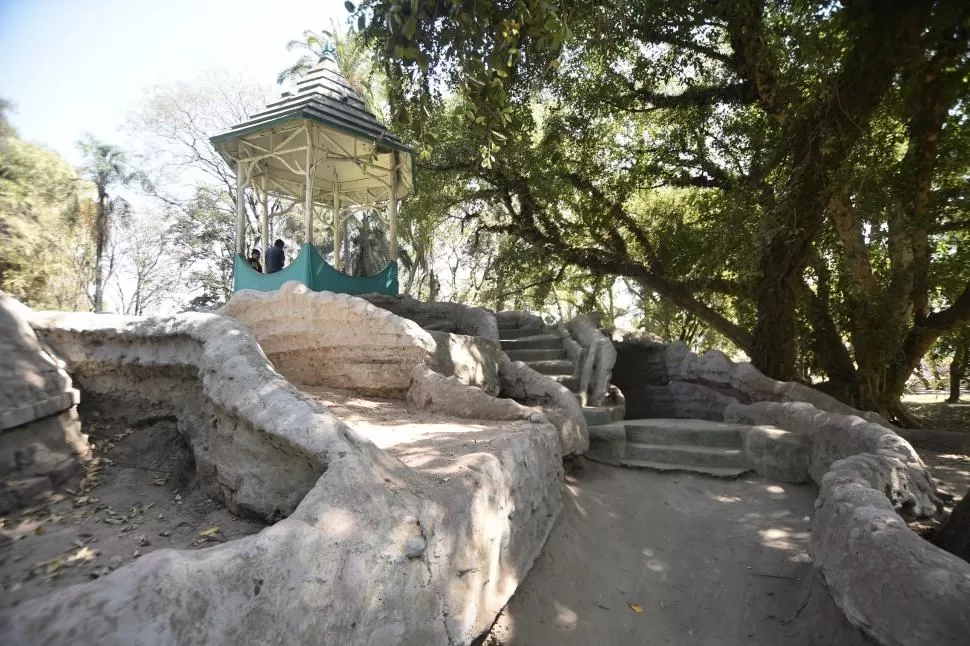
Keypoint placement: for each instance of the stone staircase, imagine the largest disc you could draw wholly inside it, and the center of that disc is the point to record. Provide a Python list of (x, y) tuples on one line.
[(546, 353), (698, 446), (694, 445)]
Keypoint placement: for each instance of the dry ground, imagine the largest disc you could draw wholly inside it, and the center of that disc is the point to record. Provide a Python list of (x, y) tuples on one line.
[(640, 557), (138, 495)]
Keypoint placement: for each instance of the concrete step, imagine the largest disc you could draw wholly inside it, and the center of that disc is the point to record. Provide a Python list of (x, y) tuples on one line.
[(545, 354), (554, 367), (681, 454), (684, 432), (537, 342), (599, 415), (507, 334), (716, 472)]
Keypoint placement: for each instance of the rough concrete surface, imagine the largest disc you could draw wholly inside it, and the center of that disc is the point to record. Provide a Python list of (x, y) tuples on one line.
[(524, 384), (441, 317), (599, 356), (328, 339), (414, 545), (41, 444), (707, 561)]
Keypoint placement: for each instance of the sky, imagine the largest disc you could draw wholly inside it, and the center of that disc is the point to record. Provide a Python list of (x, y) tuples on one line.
[(77, 66)]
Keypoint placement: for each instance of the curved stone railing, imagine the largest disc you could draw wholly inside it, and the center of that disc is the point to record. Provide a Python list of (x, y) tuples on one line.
[(598, 358), (440, 317), (897, 587), (372, 552)]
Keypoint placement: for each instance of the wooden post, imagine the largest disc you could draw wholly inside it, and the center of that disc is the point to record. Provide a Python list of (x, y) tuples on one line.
[(311, 168), (240, 209), (392, 210), (264, 222), (336, 227)]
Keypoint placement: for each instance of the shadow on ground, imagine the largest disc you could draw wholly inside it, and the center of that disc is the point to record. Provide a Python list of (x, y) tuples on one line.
[(640, 557)]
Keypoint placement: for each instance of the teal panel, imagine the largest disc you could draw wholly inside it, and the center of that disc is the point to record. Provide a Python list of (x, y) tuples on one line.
[(313, 271), (324, 278)]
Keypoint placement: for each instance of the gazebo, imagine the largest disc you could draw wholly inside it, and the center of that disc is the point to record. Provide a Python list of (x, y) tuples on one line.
[(320, 146)]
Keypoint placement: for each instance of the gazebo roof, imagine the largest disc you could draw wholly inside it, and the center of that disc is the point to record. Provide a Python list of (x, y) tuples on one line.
[(327, 114)]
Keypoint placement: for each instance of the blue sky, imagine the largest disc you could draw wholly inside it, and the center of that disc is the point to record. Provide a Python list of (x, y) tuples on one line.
[(76, 66)]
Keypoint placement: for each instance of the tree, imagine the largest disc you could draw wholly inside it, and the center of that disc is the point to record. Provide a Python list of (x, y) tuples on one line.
[(107, 168), (774, 169), (148, 275), (192, 180), (43, 240)]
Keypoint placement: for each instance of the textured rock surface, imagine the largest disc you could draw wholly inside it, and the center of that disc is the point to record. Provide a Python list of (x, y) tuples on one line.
[(375, 552), (440, 317), (599, 356), (250, 440), (41, 444), (435, 392), (897, 587), (778, 454), (644, 369), (473, 360), (520, 321), (327, 339), (524, 384), (887, 580)]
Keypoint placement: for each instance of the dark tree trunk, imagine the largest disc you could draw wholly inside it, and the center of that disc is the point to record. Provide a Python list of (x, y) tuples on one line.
[(954, 536), (958, 367), (101, 241)]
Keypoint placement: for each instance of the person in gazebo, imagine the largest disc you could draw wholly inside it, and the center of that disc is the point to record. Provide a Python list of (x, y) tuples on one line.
[(254, 261), (275, 257)]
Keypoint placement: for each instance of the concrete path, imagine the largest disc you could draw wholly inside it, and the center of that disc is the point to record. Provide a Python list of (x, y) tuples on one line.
[(640, 557)]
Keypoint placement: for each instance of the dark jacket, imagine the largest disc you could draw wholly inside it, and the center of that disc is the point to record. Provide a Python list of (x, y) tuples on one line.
[(274, 259)]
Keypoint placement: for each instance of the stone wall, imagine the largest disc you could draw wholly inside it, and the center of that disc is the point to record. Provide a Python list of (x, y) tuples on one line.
[(341, 341), (41, 444), (455, 318), (897, 587), (374, 552)]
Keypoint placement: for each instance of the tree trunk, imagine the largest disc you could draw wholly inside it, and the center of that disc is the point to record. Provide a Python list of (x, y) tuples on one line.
[(958, 368), (101, 240), (954, 536)]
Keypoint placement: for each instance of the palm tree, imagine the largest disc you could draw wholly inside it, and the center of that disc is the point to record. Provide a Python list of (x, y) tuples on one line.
[(355, 62), (315, 47), (106, 166)]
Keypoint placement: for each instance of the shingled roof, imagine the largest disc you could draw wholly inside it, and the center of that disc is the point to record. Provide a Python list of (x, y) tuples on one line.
[(323, 96)]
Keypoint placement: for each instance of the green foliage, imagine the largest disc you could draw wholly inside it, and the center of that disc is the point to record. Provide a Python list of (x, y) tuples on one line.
[(43, 237), (792, 175)]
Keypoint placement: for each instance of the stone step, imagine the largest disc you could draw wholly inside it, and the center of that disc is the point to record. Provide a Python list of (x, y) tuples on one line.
[(680, 454), (684, 432), (544, 354), (716, 472), (538, 342), (554, 367), (508, 334), (599, 415)]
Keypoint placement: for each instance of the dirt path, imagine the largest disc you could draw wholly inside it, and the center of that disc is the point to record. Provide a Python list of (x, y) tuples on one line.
[(701, 560), (138, 495)]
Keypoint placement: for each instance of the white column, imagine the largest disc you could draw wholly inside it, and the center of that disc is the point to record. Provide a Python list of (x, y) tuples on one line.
[(311, 168), (336, 228), (240, 209), (264, 221), (392, 211)]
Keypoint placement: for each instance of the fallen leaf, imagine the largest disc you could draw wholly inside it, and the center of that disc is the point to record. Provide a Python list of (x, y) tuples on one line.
[(637, 608), (212, 531)]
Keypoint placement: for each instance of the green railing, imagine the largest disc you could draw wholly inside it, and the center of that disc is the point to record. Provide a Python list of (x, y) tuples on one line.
[(312, 270)]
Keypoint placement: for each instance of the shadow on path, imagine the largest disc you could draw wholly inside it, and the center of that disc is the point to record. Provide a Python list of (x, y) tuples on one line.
[(640, 557)]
